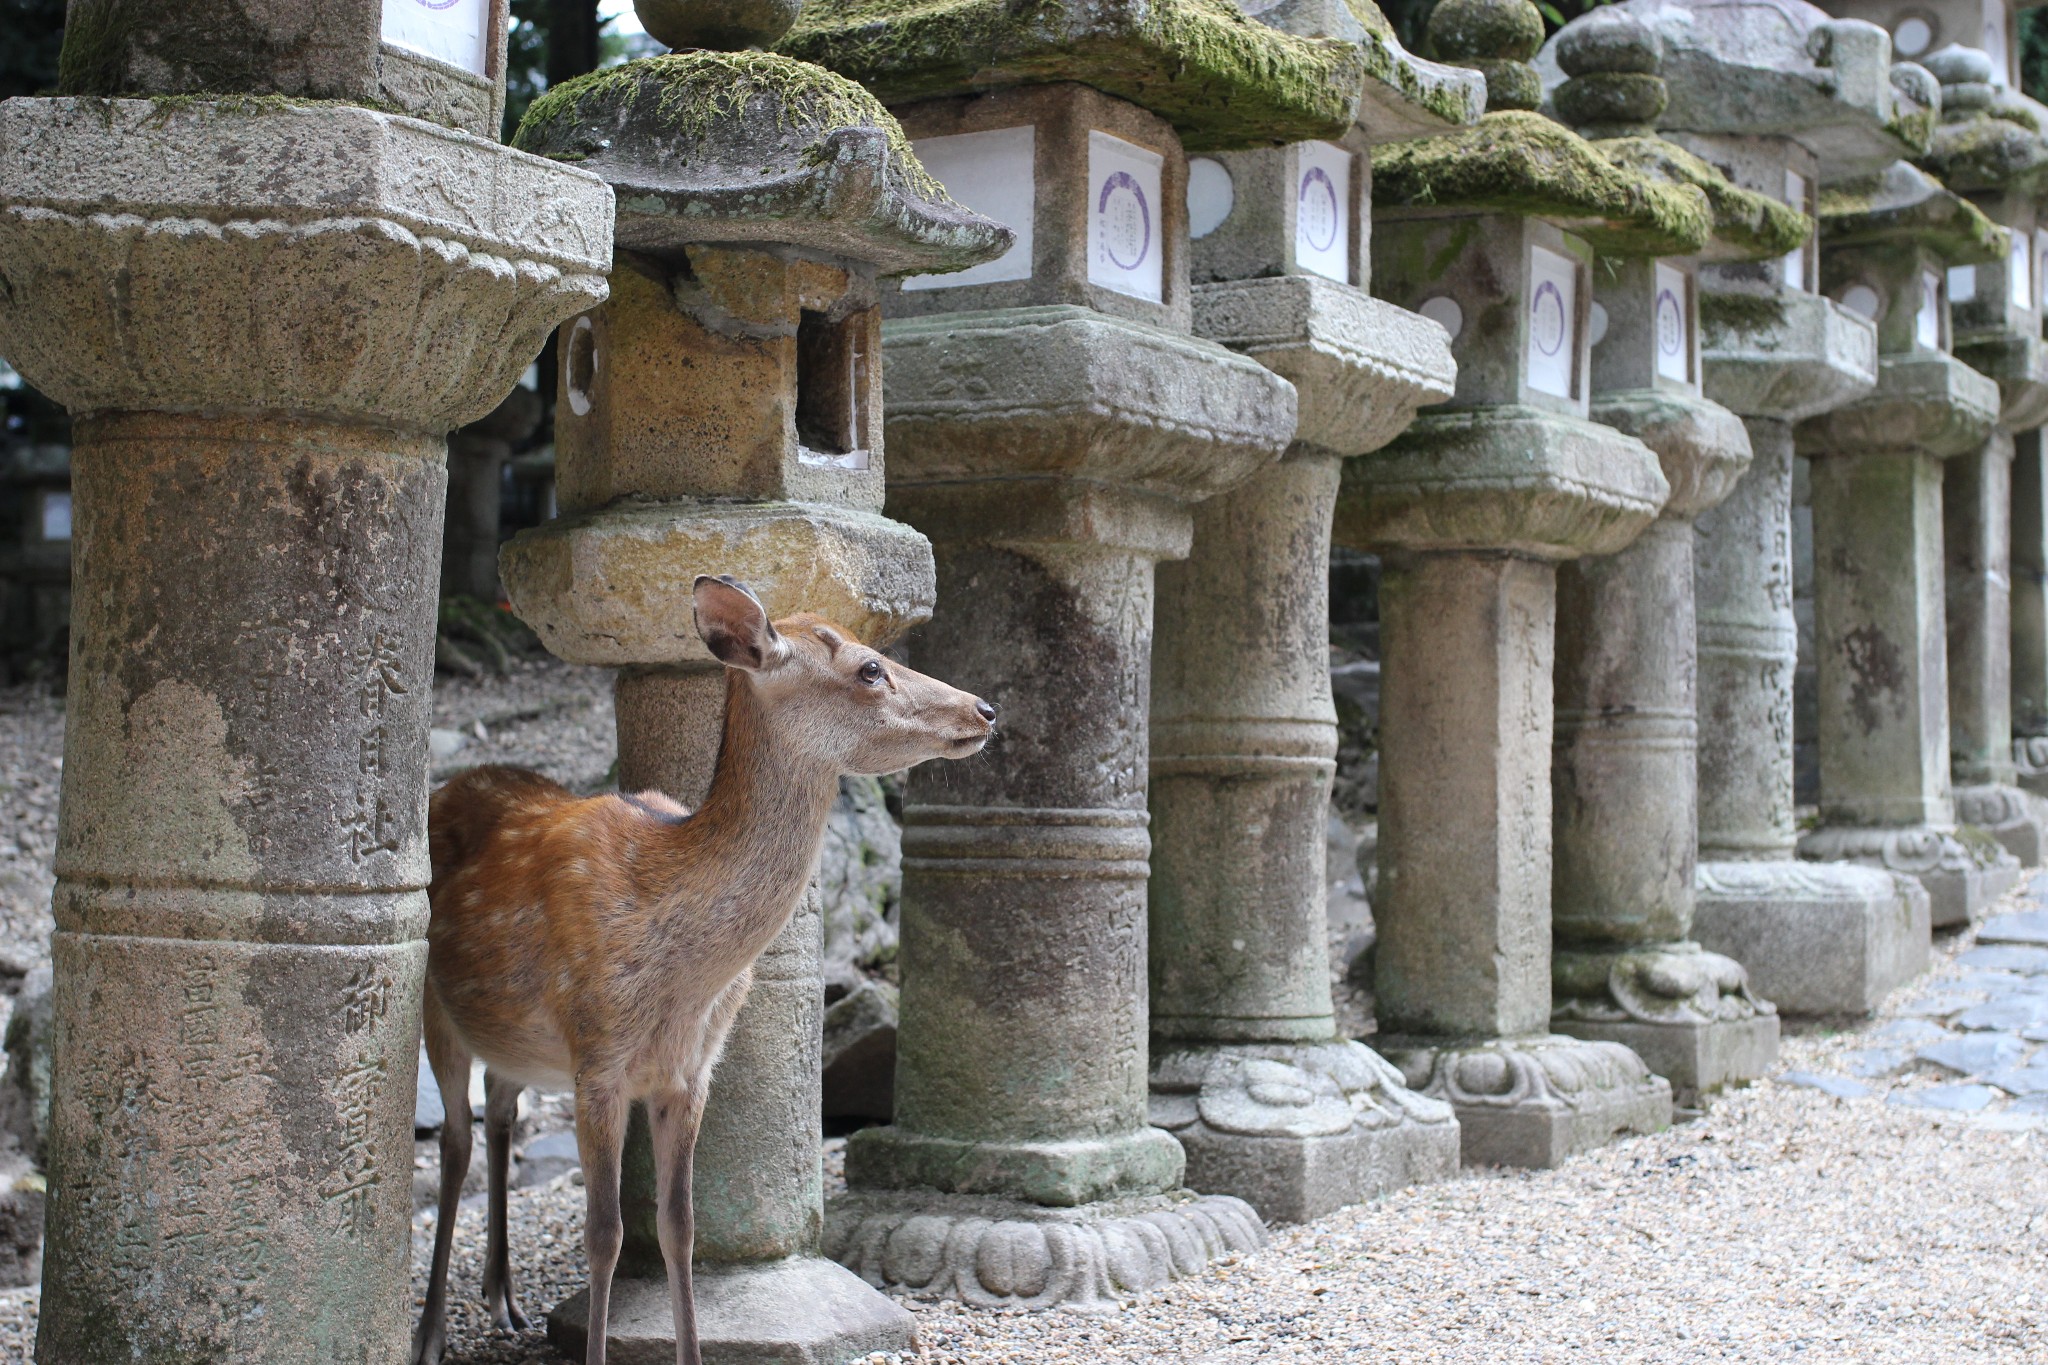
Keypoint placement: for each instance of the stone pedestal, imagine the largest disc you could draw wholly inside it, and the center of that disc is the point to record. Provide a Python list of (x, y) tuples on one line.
[(1976, 514), (1817, 938), (1247, 1068), (476, 493), (263, 351), (722, 415), (1881, 635), (1022, 1168), (1624, 778), (2030, 611), (1464, 911)]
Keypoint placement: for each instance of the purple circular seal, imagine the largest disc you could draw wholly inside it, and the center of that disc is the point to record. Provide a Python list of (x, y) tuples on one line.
[(1314, 212), (1670, 324), (437, 4), (1546, 318), (1131, 216)]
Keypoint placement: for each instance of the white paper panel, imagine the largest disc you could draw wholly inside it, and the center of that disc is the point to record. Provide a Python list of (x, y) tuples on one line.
[(993, 173), (56, 516), (1671, 322), (2041, 267), (1553, 321), (453, 31), (2019, 285), (1927, 322), (1125, 216), (1211, 195), (1962, 283), (1322, 211), (1797, 194)]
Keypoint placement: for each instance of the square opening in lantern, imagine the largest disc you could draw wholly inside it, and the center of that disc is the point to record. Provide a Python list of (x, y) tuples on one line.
[(831, 388)]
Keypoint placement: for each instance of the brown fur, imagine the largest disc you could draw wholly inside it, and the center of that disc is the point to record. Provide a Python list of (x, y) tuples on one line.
[(607, 942)]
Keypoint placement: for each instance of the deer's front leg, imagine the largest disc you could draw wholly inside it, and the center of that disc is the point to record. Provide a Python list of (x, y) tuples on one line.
[(673, 1121), (501, 1109), (600, 1136)]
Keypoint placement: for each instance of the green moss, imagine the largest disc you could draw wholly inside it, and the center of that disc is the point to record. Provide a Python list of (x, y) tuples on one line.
[(1916, 128), (688, 93), (1741, 312), (1747, 225), (1389, 64), (1903, 204), (1523, 163), (1223, 79), (1986, 153)]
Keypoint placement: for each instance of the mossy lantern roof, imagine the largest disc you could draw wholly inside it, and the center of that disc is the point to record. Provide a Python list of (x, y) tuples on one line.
[(1224, 80), (755, 147), (1990, 138), (1747, 226), (1519, 162), (1902, 204)]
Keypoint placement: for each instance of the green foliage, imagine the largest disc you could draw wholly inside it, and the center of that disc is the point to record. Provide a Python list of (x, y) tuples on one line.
[(28, 57), (2034, 53)]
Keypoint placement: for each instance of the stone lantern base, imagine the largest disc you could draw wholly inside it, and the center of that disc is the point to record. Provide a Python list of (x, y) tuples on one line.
[(1963, 870), (1818, 938), (1537, 1101), (1299, 1129), (1003, 1253), (2016, 818), (804, 1310)]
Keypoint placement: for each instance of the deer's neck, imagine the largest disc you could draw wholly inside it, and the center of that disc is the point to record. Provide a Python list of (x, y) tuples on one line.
[(750, 849)]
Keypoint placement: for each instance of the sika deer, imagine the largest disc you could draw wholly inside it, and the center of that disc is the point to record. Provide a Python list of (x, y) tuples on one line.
[(605, 943)]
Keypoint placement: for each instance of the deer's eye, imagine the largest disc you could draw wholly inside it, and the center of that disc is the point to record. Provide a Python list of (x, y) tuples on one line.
[(871, 672)]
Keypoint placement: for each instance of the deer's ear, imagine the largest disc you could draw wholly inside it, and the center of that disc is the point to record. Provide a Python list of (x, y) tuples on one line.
[(735, 627)]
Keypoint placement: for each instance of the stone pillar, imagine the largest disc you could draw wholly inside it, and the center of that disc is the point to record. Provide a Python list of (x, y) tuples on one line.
[(2030, 610), (1990, 148), (1472, 508), (1879, 623), (1624, 773), (722, 414), (1051, 453), (1248, 1069), (476, 494), (263, 350)]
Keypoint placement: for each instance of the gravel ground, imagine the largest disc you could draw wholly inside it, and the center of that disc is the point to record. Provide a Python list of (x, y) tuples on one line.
[(1790, 1223), (1787, 1224)]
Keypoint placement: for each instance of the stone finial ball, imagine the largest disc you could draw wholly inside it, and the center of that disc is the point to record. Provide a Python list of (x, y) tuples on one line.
[(717, 25), (1466, 31), (1957, 65), (1608, 40)]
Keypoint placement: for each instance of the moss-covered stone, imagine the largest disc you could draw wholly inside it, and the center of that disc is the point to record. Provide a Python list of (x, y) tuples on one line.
[(1518, 162), (1747, 225), (1987, 152), (1903, 204), (753, 146), (1223, 79)]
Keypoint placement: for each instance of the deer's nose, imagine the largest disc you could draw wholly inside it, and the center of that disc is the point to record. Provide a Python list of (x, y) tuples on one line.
[(986, 710)]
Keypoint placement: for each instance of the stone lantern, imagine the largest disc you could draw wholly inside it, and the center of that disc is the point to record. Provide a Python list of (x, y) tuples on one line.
[(1248, 1070), (1051, 421), (1624, 774), (1990, 149), (1921, 28), (1777, 97), (1492, 233), (722, 413), (265, 315), (477, 455), (1888, 241)]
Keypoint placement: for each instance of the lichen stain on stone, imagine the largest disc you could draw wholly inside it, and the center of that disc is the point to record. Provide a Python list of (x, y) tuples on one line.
[(153, 783), (1877, 669)]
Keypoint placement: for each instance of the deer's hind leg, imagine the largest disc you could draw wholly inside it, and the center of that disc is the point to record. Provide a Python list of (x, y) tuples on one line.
[(501, 1108), (450, 1060)]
